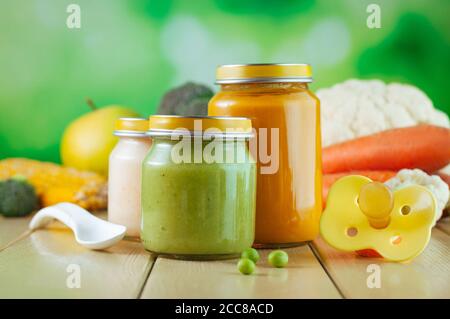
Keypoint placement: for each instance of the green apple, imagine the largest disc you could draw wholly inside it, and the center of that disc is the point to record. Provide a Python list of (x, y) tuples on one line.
[(87, 141)]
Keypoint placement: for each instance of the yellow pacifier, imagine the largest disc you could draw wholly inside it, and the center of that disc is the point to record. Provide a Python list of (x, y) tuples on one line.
[(363, 215)]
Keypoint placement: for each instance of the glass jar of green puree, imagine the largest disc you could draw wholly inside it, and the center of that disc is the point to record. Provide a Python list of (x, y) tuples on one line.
[(198, 187)]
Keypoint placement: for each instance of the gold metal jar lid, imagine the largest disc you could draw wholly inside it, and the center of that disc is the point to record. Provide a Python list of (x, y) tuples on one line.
[(132, 127), (263, 73), (201, 126)]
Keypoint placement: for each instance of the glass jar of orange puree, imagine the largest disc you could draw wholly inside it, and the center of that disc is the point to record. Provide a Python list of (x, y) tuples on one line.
[(286, 116)]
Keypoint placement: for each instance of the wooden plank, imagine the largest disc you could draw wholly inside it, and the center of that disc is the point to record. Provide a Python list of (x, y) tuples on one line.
[(427, 276), (444, 225), (11, 229), (302, 278), (40, 265)]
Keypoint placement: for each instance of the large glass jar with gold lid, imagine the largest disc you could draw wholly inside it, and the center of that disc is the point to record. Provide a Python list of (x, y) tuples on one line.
[(286, 116)]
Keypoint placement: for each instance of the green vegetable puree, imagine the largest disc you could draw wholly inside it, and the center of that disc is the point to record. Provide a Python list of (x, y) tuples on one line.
[(197, 208)]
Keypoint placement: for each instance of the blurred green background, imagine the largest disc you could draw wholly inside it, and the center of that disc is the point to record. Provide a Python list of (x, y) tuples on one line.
[(131, 52)]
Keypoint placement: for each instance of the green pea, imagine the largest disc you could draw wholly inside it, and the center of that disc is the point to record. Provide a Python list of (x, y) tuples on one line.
[(251, 253), (278, 258), (246, 266)]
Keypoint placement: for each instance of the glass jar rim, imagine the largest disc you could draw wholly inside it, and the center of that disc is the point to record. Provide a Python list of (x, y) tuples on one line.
[(125, 133), (168, 134)]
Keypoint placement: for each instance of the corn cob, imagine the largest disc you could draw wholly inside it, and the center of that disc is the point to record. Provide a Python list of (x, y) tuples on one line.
[(55, 183)]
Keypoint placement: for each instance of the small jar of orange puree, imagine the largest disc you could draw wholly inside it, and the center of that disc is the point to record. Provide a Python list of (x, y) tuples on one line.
[(286, 117)]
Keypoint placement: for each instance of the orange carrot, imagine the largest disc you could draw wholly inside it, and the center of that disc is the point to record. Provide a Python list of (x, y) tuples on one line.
[(424, 146), (329, 179), (444, 177), (370, 253)]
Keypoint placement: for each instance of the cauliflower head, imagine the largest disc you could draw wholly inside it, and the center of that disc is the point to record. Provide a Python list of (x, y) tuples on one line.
[(434, 183), (356, 108)]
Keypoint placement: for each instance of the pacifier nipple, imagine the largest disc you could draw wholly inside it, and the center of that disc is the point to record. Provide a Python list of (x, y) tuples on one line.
[(376, 202)]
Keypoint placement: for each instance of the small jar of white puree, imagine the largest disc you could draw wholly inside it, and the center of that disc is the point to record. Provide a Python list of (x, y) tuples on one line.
[(124, 178)]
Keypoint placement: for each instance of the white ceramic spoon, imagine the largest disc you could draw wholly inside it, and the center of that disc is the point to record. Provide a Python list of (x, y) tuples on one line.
[(90, 231)]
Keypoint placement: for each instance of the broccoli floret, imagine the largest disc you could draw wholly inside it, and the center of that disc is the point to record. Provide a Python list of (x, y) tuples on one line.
[(17, 198), (188, 99)]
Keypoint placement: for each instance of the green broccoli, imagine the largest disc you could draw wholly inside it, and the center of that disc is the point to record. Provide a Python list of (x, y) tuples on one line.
[(188, 99), (17, 198)]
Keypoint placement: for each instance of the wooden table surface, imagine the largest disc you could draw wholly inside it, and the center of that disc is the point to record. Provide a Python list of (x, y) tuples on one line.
[(39, 264)]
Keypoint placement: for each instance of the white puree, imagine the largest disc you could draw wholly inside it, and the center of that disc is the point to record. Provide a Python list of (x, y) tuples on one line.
[(124, 184)]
